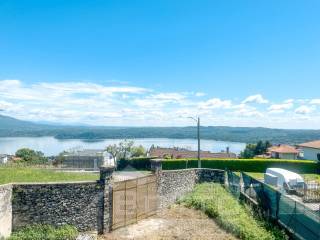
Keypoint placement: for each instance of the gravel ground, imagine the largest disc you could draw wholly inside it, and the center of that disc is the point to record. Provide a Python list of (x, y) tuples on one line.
[(176, 222)]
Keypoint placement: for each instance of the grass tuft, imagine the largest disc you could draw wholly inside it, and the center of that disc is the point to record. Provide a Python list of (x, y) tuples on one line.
[(45, 232), (231, 215)]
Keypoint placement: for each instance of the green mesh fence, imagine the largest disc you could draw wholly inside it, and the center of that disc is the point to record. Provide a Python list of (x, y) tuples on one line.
[(303, 222), (295, 216), (266, 196), (233, 183)]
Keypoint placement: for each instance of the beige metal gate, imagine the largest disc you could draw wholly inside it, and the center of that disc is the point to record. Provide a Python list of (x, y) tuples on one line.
[(133, 200)]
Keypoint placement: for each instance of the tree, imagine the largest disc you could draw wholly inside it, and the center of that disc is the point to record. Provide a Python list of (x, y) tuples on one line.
[(125, 149), (31, 156), (121, 151), (138, 151), (248, 152), (113, 149), (59, 159), (252, 150)]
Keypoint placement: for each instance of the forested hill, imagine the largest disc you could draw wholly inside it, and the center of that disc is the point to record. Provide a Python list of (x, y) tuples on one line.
[(10, 127)]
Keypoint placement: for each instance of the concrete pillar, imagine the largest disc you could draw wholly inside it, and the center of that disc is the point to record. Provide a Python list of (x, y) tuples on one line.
[(105, 219), (106, 173), (156, 165)]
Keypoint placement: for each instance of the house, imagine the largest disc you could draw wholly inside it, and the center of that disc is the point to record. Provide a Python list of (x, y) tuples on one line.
[(3, 158), (87, 159), (178, 153), (283, 152), (310, 150)]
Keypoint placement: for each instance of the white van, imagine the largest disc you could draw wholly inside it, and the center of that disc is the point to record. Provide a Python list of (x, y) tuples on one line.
[(283, 179)]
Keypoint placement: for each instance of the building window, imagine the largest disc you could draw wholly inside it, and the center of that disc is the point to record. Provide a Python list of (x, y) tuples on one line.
[(318, 156)]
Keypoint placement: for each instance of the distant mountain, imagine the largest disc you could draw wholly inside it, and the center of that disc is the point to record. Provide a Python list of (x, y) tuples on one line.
[(7, 123), (11, 127)]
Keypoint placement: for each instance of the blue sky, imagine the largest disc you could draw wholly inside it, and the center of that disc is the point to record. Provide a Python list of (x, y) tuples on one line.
[(238, 63)]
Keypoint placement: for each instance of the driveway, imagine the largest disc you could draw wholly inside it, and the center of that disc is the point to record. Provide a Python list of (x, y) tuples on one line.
[(176, 222)]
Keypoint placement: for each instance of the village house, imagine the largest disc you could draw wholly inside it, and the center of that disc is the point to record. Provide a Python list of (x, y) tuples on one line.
[(283, 152), (3, 158), (310, 150), (87, 159), (178, 153)]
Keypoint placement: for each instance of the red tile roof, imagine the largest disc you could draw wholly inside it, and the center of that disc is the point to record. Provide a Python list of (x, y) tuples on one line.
[(313, 144), (283, 149), (184, 153)]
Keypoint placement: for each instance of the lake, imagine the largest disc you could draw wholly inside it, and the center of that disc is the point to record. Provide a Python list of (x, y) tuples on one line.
[(52, 146)]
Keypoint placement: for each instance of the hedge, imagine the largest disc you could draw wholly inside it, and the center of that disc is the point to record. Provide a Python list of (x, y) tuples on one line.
[(140, 163), (246, 165)]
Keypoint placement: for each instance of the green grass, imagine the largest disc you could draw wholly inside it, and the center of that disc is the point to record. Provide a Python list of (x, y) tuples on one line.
[(29, 174), (231, 215), (45, 232)]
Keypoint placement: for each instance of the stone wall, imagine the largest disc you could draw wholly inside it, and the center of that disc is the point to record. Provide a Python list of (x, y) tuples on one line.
[(5, 210), (79, 204), (210, 175), (173, 184), (86, 205)]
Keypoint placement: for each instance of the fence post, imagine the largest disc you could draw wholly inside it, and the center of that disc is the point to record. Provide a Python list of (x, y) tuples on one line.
[(278, 196)]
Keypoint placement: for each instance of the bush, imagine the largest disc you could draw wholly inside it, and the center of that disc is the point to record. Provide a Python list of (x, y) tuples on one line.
[(234, 217), (45, 232), (140, 163), (245, 165), (31, 156)]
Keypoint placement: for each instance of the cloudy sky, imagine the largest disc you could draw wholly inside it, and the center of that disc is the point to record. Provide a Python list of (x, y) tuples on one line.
[(123, 104), (154, 63)]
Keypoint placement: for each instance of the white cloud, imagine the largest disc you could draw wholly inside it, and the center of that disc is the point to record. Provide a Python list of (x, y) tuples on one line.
[(215, 103), (243, 110), (171, 97), (119, 104), (199, 94), (315, 101), (303, 110), (280, 108), (255, 99)]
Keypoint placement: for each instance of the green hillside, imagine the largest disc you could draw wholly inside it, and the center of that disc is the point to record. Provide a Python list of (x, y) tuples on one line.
[(11, 127)]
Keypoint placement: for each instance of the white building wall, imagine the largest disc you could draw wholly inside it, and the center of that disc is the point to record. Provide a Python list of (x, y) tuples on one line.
[(310, 153), (3, 159), (288, 156)]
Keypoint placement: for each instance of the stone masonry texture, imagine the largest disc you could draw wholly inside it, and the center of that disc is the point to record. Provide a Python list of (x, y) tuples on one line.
[(86, 205), (77, 204), (173, 184)]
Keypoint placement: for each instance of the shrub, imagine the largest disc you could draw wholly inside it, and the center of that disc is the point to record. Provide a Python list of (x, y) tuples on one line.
[(140, 163), (45, 232), (234, 217), (245, 165)]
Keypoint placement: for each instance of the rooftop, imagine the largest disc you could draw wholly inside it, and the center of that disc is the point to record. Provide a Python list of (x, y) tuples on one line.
[(184, 153), (313, 144), (86, 152), (283, 149)]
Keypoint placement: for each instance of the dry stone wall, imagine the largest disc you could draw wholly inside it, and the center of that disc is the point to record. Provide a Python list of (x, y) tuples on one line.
[(173, 184), (86, 205), (78, 204)]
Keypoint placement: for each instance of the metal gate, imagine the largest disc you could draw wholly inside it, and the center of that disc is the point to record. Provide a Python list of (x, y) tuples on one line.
[(133, 200)]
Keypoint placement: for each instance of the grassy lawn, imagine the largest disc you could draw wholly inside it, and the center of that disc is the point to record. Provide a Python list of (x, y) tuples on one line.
[(307, 177), (232, 216), (29, 174)]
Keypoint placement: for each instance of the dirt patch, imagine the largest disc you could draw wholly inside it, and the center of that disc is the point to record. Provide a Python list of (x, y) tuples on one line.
[(176, 222)]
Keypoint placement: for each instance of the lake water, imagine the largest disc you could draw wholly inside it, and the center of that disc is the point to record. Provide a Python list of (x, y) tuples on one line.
[(51, 146)]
